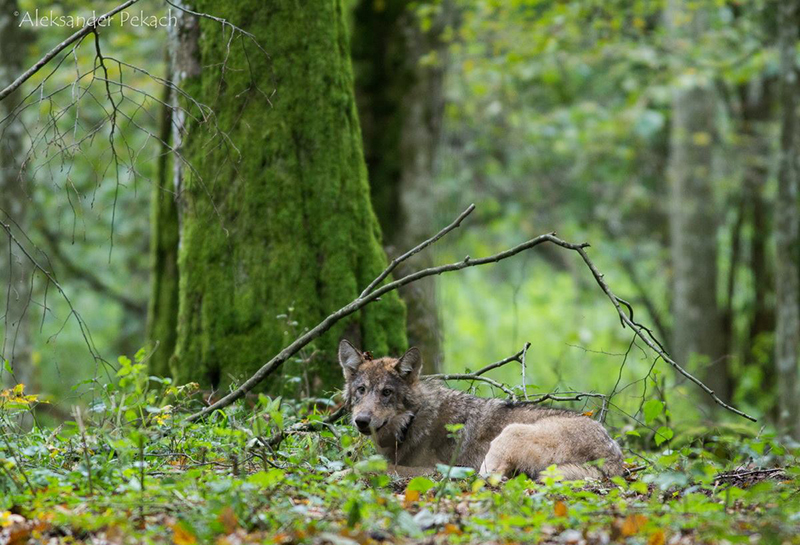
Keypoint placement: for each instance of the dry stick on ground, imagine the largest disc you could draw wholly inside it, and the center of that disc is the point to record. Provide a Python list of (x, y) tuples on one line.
[(362, 300)]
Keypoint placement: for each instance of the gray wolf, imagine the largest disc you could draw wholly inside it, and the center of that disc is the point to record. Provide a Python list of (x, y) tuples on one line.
[(405, 415)]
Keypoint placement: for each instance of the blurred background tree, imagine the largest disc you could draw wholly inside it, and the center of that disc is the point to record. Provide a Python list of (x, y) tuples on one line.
[(658, 131), (399, 56), (14, 205)]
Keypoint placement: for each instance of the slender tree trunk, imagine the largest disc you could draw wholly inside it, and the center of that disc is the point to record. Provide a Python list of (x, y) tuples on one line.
[(400, 103), (16, 270), (755, 136), (787, 227), (162, 312), (276, 235), (698, 334)]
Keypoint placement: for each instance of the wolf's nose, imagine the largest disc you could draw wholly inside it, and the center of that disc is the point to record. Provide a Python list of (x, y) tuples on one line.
[(362, 422)]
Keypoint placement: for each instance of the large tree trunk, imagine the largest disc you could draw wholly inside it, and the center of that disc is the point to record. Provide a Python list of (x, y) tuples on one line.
[(400, 104), (698, 331), (15, 269), (787, 223), (285, 228), (162, 311)]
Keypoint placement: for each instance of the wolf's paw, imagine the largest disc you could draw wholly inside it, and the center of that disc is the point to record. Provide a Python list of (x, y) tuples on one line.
[(494, 465)]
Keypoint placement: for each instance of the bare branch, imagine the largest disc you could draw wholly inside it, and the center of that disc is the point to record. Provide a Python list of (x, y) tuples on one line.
[(362, 300), (80, 34), (516, 357), (553, 396), (396, 261), (644, 333), (475, 376), (81, 323)]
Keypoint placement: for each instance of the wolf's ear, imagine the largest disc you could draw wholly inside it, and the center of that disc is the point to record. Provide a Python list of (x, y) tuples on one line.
[(410, 364), (349, 358)]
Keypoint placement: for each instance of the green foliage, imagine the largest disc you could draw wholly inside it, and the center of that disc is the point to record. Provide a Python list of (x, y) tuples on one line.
[(133, 470)]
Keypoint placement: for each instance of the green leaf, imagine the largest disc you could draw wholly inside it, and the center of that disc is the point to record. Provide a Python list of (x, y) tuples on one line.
[(652, 410), (454, 472), (420, 484), (266, 479), (663, 434), (373, 464), (353, 513)]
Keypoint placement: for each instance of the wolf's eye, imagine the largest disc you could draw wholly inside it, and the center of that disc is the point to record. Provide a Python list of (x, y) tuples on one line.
[(360, 390), (386, 392)]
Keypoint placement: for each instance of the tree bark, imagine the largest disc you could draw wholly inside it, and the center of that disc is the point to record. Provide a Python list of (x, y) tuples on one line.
[(787, 231), (276, 235), (162, 311), (15, 269), (757, 97), (400, 104), (698, 334)]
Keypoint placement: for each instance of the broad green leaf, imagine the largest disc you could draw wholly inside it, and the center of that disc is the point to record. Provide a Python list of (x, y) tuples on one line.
[(652, 409)]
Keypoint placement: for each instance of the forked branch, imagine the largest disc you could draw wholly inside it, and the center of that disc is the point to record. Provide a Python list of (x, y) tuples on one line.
[(373, 293)]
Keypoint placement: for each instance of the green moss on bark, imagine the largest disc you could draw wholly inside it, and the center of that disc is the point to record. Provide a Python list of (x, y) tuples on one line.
[(291, 225)]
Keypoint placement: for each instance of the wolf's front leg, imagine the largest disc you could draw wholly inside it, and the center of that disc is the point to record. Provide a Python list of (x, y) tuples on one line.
[(410, 471)]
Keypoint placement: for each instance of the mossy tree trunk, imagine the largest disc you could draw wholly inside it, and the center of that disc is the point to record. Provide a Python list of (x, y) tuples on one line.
[(277, 235), (400, 103)]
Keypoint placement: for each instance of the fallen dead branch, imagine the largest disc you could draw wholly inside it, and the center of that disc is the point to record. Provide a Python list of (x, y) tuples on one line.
[(373, 293), (744, 478)]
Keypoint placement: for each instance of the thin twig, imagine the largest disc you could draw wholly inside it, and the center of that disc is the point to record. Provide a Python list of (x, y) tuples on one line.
[(648, 338), (301, 427), (555, 397), (80, 34), (17, 462), (481, 371), (396, 261), (474, 376), (523, 364), (49, 276)]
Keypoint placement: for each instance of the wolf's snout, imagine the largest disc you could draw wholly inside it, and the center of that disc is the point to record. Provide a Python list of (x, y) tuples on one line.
[(362, 422)]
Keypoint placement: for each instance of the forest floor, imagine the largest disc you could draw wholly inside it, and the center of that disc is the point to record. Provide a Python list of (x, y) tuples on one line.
[(128, 470), (207, 504)]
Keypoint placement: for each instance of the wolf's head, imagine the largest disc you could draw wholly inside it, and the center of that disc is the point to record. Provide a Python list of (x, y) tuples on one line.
[(378, 391)]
